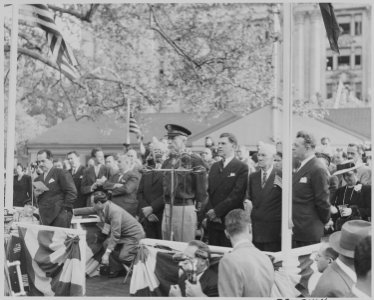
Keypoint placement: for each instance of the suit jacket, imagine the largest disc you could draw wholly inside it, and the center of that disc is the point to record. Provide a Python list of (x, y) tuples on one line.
[(226, 188), (89, 178), (334, 282), (150, 192), (61, 194), (245, 272), (266, 214), (310, 201), (123, 226), (124, 196), (77, 178)]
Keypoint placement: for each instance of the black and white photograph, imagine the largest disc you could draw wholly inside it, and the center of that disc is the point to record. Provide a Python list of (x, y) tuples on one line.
[(184, 149)]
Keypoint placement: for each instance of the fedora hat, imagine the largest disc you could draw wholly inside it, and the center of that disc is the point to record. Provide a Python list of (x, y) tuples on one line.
[(346, 167), (345, 241)]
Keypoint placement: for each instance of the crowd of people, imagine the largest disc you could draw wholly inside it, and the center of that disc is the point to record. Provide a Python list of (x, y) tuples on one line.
[(224, 196)]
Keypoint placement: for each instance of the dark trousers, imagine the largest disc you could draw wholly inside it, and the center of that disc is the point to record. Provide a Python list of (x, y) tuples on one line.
[(298, 244), (269, 247), (63, 219), (217, 237), (152, 229)]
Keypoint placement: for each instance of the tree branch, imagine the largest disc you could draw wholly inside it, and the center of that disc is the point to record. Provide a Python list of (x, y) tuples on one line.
[(41, 58), (87, 17)]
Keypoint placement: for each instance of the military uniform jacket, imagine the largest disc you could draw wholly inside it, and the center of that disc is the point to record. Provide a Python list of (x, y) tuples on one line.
[(187, 185)]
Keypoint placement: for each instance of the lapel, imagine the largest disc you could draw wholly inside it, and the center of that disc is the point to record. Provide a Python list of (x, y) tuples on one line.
[(304, 169), (222, 173), (49, 176), (270, 181)]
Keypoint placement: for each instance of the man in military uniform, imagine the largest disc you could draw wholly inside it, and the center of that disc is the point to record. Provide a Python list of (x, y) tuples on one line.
[(190, 184)]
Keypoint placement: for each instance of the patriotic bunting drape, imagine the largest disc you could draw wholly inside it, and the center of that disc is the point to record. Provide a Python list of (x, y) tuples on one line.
[(51, 260), (155, 271)]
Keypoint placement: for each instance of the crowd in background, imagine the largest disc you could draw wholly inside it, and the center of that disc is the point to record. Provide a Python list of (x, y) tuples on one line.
[(332, 187)]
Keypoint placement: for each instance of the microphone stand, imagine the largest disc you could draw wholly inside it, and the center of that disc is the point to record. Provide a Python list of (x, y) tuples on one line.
[(172, 195)]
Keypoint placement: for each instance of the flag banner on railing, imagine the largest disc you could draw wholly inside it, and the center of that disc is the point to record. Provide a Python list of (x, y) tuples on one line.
[(51, 257), (155, 271)]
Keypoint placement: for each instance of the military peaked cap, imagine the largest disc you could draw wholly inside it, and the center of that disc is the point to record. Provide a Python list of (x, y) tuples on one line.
[(174, 130)]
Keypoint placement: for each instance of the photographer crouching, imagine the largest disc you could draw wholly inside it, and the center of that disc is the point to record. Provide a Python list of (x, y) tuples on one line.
[(198, 275)]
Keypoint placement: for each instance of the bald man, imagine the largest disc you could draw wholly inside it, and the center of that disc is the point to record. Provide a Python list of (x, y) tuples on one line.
[(264, 192)]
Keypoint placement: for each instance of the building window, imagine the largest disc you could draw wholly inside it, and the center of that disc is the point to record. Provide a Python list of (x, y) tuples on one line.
[(358, 90), (358, 27), (357, 60), (343, 62), (329, 88), (345, 28), (329, 63)]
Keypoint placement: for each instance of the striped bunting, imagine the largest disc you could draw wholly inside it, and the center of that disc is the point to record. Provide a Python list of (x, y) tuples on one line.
[(155, 271), (53, 261), (39, 15)]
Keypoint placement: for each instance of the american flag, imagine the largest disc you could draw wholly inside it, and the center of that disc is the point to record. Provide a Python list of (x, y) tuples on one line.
[(134, 127), (40, 16)]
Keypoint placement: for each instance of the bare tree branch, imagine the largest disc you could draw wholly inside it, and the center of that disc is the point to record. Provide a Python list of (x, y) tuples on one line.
[(87, 17)]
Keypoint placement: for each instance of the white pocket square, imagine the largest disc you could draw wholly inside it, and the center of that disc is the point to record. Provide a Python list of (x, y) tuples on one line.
[(232, 175), (51, 180), (303, 180)]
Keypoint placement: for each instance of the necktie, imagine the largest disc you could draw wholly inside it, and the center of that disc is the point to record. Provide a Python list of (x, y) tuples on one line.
[(263, 178), (73, 172)]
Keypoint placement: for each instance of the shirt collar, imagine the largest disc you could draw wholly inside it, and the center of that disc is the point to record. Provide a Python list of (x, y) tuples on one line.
[(351, 274), (227, 160), (241, 242), (268, 172), (360, 294), (303, 163)]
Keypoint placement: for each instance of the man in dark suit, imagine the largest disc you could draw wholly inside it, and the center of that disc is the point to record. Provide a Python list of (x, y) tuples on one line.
[(124, 185), (265, 193), (227, 182), (150, 194), (56, 203), (94, 176), (310, 194), (76, 171)]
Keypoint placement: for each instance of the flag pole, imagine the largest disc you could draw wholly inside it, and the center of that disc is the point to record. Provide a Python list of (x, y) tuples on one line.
[(2, 107), (12, 109), (287, 133), (128, 121)]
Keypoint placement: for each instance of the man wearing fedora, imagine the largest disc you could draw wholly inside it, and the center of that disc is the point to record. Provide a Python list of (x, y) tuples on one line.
[(310, 193), (179, 221), (352, 201), (339, 277)]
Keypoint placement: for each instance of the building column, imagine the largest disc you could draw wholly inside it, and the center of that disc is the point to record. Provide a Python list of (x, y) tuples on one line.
[(315, 57), (300, 68)]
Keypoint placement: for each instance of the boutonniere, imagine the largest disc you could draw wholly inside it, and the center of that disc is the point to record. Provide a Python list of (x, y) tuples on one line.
[(358, 187)]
